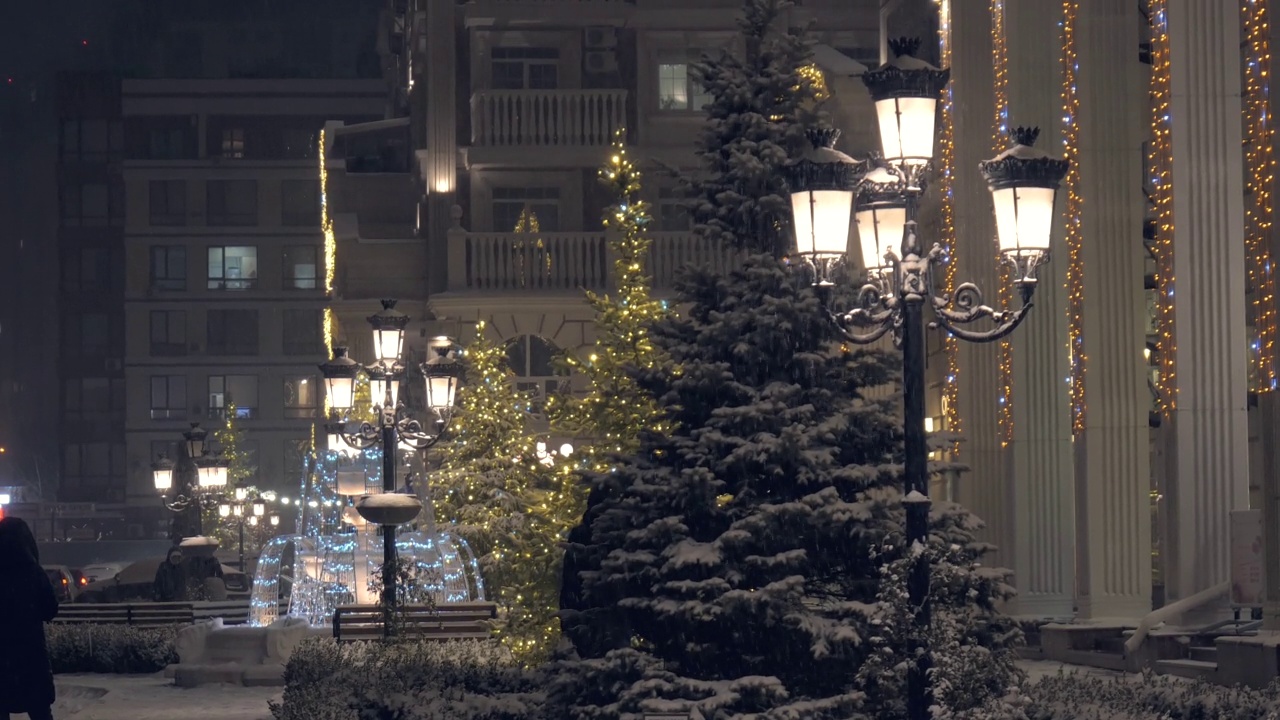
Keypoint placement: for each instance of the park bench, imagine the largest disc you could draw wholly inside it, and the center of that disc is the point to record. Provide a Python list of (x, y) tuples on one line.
[(447, 621), (153, 614)]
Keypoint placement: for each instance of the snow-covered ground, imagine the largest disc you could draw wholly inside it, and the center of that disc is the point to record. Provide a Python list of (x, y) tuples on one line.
[(154, 697)]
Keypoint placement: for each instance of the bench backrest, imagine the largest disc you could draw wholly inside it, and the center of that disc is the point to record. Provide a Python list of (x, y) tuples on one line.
[(448, 621)]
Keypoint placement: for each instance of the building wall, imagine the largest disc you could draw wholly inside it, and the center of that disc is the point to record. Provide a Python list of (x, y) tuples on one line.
[(191, 345)]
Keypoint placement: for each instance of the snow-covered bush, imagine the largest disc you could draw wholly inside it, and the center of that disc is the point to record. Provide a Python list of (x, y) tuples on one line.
[(1149, 697), (400, 681), (113, 649)]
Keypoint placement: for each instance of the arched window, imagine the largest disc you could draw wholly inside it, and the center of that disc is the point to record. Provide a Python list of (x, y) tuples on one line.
[(533, 360)]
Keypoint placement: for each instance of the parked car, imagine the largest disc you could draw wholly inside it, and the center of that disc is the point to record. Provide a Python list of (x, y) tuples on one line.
[(136, 583), (64, 582), (101, 571)]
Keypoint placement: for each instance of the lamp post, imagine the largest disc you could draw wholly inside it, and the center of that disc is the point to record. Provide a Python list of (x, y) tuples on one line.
[(394, 426), (1023, 184), (245, 510), (210, 479)]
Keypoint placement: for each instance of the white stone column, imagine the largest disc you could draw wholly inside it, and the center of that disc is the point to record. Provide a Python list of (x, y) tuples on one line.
[(438, 162), (1041, 511), (1207, 441), (1113, 516), (983, 488)]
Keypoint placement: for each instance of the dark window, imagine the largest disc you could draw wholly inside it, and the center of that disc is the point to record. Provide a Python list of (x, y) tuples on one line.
[(673, 216), (167, 144), (302, 332), (535, 209), (168, 397), (233, 268), (232, 203), (232, 143), (94, 399), (168, 267), (301, 397), (95, 334), (168, 333), (301, 268), (87, 205), (89, 270), (232, 332), (300, 143), (168, 202), (300, 203), (92, 140), (240, 390), (525, 68), (533, 360)]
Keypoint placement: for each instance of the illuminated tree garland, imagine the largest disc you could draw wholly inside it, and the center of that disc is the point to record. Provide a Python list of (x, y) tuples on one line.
[(1260, 160), (1075, 236), (950, 386), (1000, 141), (514, 509), (614, 411), (1161, 163), (330, 254)]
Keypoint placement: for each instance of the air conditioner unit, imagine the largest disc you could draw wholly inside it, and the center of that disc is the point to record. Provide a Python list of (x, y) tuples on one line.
[(601, 62), (603, 37)]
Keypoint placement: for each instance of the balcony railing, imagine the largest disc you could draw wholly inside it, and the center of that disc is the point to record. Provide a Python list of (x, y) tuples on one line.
[(546, 118), (564, 262)]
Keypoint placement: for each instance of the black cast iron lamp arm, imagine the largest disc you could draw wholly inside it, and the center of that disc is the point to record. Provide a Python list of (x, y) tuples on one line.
[(901, 272), (441, 373)]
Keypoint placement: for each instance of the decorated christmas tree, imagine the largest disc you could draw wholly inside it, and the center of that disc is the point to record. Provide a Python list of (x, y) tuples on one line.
[(614, 411), (229, 443), (747, 563), (513, 507)]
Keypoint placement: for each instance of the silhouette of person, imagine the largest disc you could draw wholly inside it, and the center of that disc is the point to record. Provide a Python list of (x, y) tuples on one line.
[(171, 578), (27, 602)]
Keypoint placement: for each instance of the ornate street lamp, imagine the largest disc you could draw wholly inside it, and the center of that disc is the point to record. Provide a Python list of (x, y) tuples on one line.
[(822, 203), (208, 472), (395, 427), (388, 334), (1023, 184)]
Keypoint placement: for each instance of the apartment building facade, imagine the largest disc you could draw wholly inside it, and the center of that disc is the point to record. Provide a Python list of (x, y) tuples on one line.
[(508, 109), (224, 293)]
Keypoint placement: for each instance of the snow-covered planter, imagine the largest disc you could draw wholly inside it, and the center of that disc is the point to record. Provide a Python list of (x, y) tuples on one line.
[(405, 681), (89, 648), (388, 508)]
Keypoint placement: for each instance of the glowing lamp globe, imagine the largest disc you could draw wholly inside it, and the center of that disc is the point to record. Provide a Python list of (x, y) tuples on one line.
[(388, 334), (340, 375), (881, 218), (195, 441), (162, 473), (259, 508), (211, 474), (382, 382), (823, 181), (1024, 185), (224, 510), (351, 483), (442, 373), (906, 91)]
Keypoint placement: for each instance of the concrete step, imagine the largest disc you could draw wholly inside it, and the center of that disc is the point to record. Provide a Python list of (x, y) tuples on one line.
[(1193, 669), (1111, 645), (1203, 653)]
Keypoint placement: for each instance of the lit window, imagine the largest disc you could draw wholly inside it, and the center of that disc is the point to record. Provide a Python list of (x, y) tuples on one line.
[(233, 267)]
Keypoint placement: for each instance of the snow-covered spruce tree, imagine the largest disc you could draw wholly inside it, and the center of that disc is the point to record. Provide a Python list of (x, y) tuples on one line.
[(760, 100), (737, 565), (514, 510)]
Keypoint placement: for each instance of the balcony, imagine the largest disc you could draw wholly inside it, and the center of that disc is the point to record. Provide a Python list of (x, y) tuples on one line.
[(506, 122), (564, 263)]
